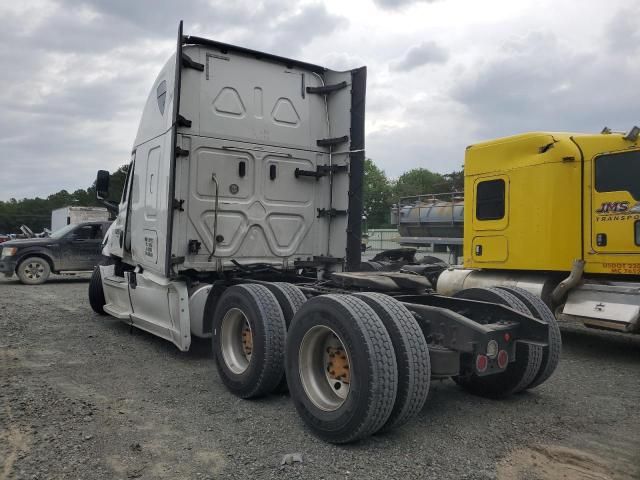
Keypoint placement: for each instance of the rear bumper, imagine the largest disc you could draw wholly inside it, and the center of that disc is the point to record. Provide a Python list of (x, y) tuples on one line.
[(7, 266)]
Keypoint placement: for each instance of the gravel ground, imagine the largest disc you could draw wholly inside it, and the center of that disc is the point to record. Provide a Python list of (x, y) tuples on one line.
[(82, 396)]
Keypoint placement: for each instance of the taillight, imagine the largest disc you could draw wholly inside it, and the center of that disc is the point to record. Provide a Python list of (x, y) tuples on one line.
[(503, 358), (482, 362)]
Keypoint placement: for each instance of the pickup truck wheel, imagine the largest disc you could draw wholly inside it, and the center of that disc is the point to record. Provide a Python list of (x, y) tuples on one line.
[(290, 298), (519, 373), (341, 368), (550, 354), (96, 292), (33, 270), (249, 340), (412, 357)]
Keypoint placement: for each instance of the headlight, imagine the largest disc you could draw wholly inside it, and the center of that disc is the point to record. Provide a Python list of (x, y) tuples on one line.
[(9, 251)]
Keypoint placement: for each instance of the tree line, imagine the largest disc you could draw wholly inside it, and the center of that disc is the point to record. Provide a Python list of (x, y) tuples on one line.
[(380, 193), (36, 212)]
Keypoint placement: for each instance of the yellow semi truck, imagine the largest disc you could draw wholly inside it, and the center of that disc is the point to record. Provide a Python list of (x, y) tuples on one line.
[(557, 214)]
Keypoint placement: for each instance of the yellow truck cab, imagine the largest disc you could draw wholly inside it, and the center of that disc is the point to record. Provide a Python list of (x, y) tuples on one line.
[(539, 206)]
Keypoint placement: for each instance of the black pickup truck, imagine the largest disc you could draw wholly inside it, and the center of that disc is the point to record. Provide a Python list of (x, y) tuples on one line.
[(71, 249)]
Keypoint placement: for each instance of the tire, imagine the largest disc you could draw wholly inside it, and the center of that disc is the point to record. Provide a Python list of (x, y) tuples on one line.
[(359, 401), (33, 270), (290, 298), (96, 292), (371, 266), (249, 340), (431, 260), (550, 354), (412, 357), (519, 373)]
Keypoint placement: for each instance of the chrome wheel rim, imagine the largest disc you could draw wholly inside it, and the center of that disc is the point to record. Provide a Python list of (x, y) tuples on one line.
[(34, 270), (236, 340), (324, 368)]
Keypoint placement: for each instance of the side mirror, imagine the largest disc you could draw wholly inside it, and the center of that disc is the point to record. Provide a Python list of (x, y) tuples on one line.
[(102, 184)]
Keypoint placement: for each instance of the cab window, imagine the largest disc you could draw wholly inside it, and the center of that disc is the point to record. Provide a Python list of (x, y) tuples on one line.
[(618, 172), (87, 232), (125, 187), (490, 200)]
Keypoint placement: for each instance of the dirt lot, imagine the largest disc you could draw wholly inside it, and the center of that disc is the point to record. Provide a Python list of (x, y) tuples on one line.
[(82, 396)]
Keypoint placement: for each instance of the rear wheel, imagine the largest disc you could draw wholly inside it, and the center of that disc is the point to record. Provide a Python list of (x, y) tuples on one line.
[(33, 270), (519, 373), (249, 340), (341, 368), (290, 298), (96, 292), (551, 353), (412, 357)]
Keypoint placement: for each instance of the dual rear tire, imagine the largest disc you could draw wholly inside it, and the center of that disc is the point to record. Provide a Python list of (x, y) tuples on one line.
[(249, 333), (342, 357), (533, 364)]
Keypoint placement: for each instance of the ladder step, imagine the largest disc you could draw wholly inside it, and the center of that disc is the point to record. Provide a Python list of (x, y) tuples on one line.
[(330, 212), (321, 171), (183, 122), (323, 90), (327, 142), (187, 62)]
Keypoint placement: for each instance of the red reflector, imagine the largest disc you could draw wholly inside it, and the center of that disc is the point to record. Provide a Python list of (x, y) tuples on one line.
[(507, 337), (503, 358), (482, 362)]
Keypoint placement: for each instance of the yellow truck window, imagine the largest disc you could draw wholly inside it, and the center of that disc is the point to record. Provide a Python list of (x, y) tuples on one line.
[(619, 172), (490, 200), (638, 233)]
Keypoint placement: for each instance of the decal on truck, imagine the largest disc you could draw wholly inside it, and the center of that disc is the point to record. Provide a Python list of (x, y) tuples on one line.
[(615, 211), (624, 268), (613, 207)]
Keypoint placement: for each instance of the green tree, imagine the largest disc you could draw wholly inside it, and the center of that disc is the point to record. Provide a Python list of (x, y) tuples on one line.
[(36, 212), (455, 180), (377, 195), (420, 181)]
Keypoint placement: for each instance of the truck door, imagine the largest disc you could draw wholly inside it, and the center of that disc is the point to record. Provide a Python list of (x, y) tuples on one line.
[(116, 240), (615, 211), (490, 219), (81, 247)]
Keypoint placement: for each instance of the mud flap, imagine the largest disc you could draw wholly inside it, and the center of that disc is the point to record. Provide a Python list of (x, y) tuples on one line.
[(160, 306)]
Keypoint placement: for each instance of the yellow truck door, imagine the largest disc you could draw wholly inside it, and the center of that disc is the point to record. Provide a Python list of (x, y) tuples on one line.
[(612, 226), (490, 219)]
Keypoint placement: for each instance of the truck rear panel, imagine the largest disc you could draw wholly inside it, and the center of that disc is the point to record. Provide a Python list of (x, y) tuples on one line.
[(257, 168)]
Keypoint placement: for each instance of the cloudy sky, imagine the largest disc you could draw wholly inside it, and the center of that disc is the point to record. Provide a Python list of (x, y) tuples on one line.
[(442, 73)]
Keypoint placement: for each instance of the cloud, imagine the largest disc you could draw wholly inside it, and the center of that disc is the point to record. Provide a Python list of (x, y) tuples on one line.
[(78, 73), (290, 33), (419, 55), (398, 4), (623, 32), (537, 82)]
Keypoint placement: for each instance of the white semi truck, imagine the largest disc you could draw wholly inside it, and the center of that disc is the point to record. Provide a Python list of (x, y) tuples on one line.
[(240, 221)]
